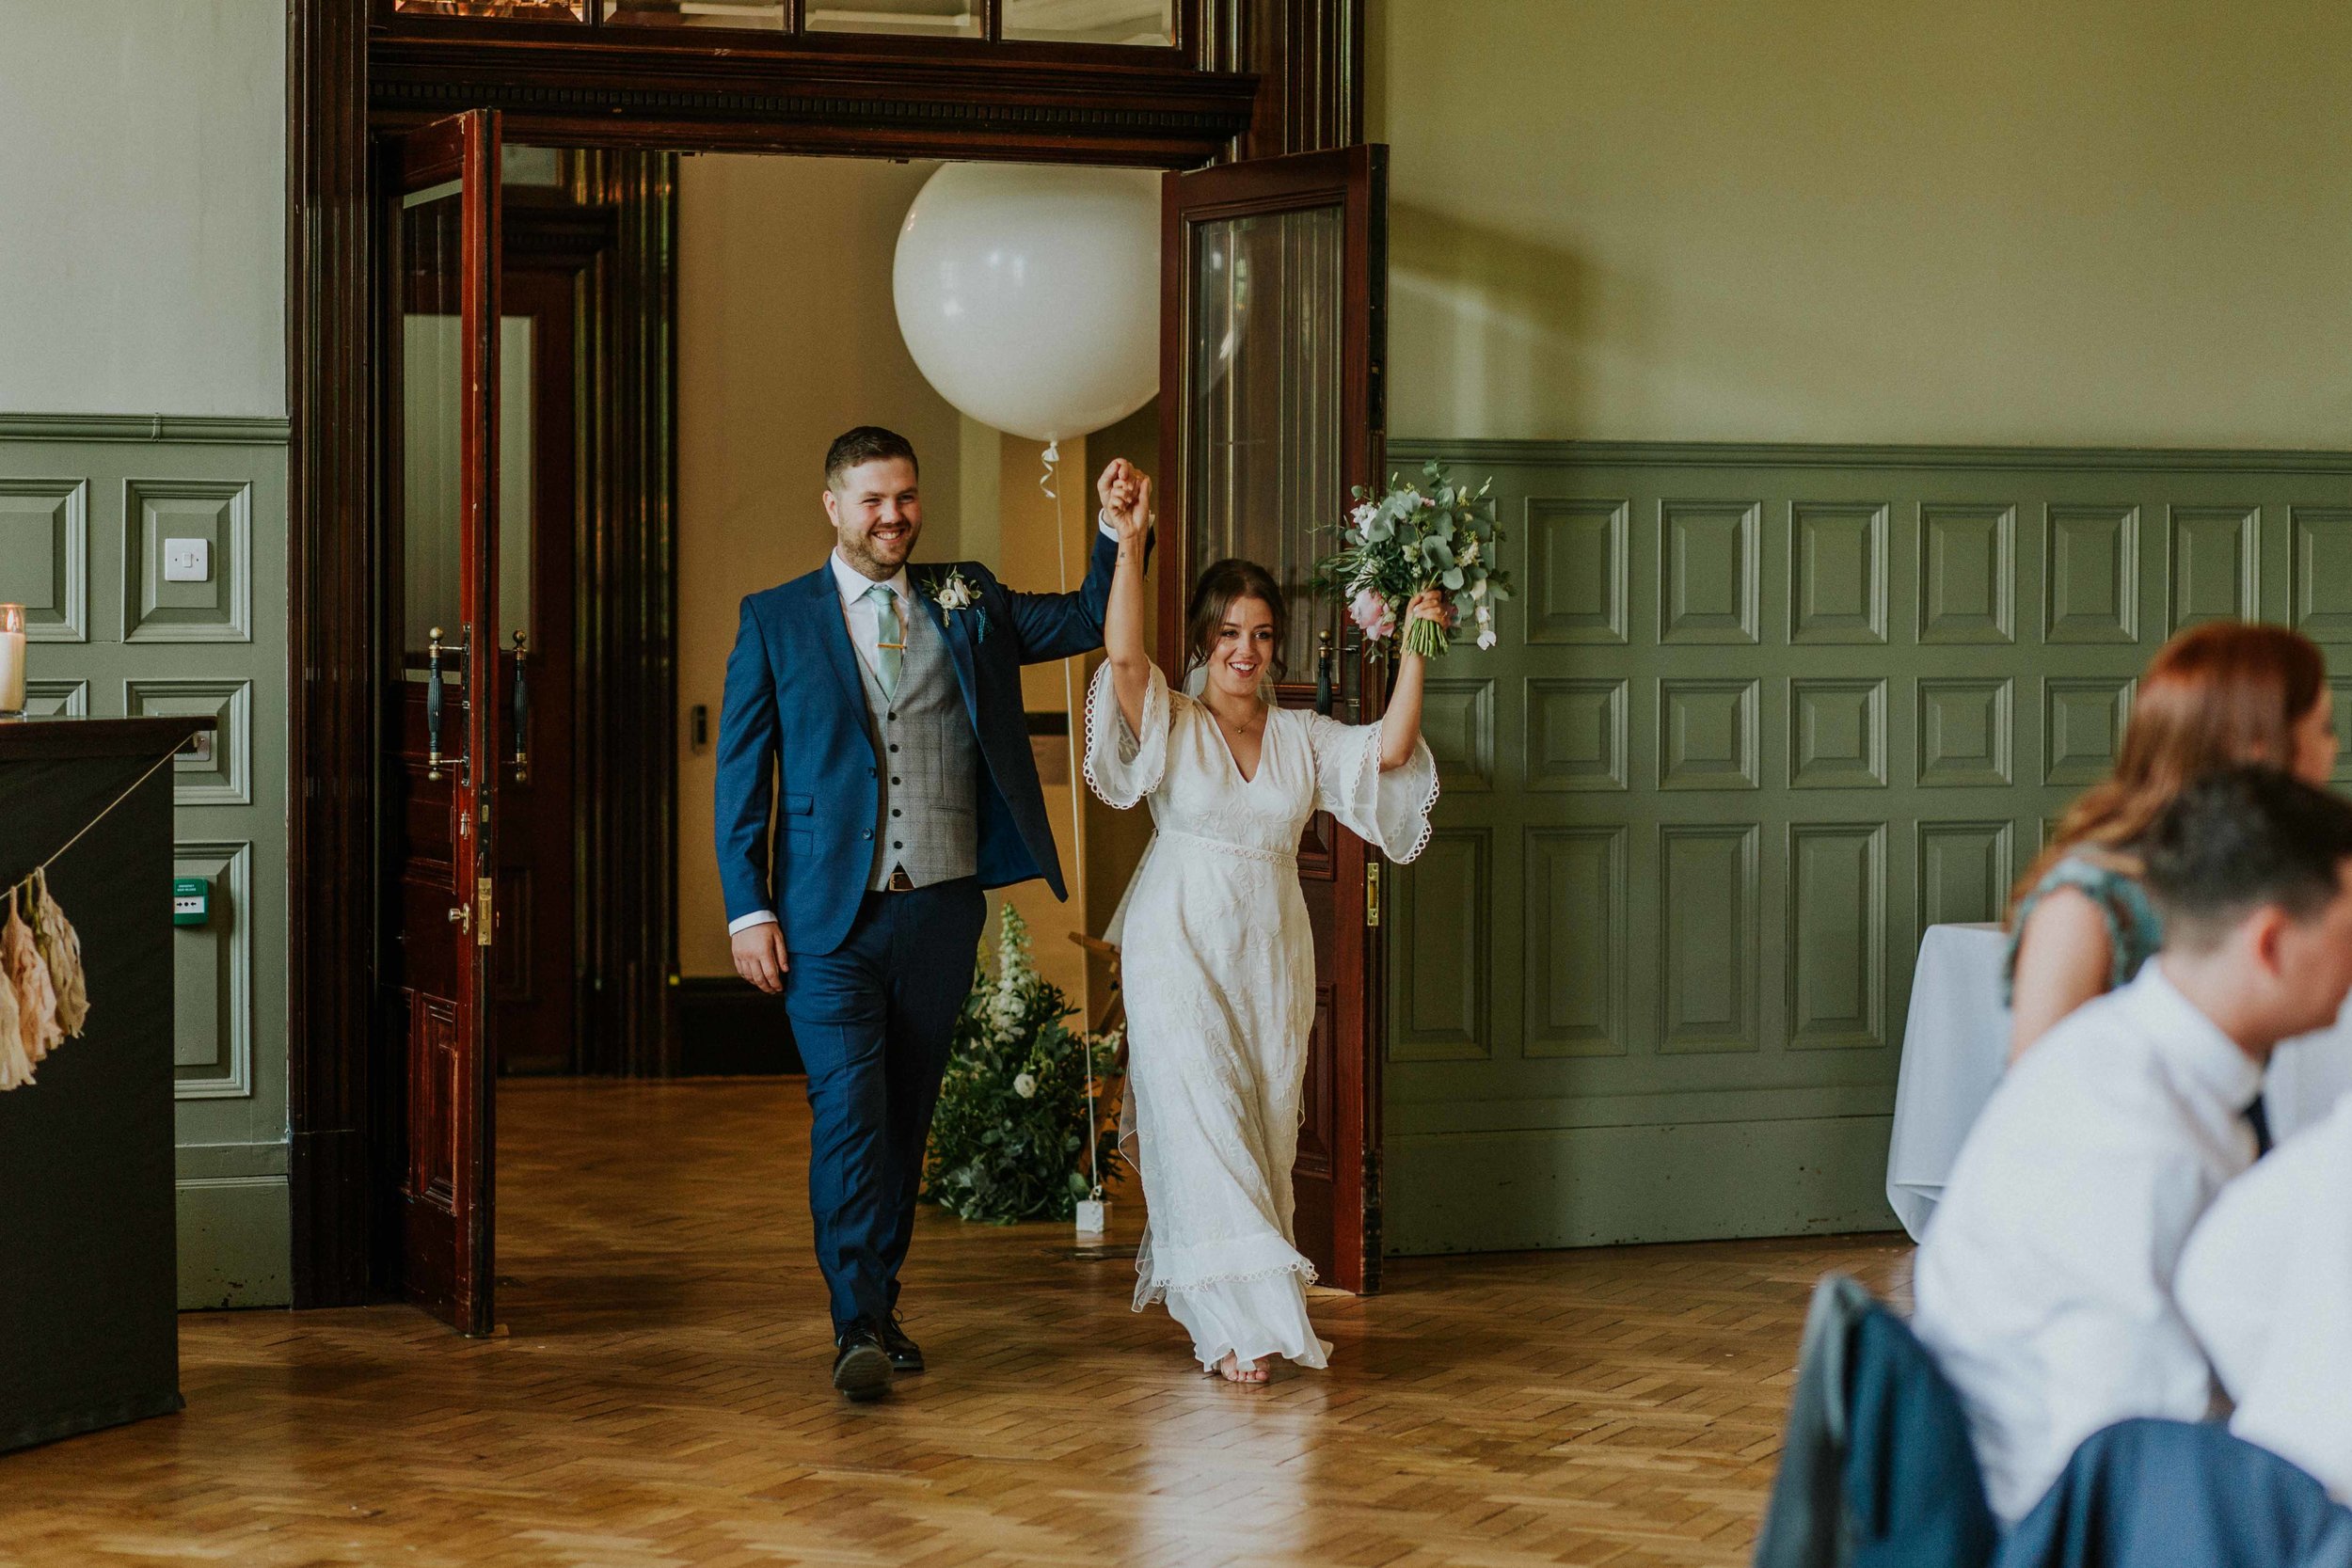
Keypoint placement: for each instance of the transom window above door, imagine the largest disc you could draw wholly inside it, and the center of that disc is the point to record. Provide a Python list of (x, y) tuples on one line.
[(1146, 24)]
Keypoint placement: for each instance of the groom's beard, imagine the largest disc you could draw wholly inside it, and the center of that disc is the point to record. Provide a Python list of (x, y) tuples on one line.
[(870, 563)]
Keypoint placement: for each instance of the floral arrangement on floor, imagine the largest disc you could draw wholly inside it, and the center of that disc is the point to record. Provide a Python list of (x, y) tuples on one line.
[(1008, 1141), (1430, 534)]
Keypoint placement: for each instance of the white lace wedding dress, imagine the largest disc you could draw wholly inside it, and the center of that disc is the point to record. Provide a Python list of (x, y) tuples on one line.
[(1219, 965)]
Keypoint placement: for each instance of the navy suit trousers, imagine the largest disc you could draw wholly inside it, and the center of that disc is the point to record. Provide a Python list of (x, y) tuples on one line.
[(874, 1019)]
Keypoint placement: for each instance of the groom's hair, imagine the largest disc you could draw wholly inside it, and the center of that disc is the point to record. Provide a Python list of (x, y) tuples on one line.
[(868, 443)]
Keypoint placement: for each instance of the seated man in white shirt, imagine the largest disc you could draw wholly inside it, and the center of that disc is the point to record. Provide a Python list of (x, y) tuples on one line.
[(2266, 1283), (2044, 1286)]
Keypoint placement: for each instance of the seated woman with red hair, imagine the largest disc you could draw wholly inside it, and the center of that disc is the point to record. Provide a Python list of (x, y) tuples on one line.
[(2226, 692)]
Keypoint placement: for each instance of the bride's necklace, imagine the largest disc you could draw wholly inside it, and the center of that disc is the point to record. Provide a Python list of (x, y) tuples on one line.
[(1257, 722)]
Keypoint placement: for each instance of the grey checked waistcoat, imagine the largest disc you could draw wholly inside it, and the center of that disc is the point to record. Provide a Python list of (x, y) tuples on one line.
[(928, 819)]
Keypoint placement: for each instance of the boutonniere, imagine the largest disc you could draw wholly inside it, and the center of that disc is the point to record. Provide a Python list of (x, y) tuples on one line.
[(954, 593)]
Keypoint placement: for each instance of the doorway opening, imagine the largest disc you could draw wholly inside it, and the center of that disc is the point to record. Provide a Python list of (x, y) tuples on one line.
[(616, 375)]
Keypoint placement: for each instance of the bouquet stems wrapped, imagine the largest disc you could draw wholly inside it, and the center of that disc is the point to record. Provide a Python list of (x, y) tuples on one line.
[(1429, 533)]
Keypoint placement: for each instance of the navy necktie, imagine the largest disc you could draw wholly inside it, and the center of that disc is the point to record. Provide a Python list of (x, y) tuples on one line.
[(2257, 1117)]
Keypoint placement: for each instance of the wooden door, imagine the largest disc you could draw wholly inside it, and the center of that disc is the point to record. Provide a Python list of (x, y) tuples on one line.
[(1273, 276), (532, 953), (446, 740)]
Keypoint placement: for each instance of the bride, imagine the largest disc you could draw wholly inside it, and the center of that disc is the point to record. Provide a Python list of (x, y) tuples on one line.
[(1216, 956)]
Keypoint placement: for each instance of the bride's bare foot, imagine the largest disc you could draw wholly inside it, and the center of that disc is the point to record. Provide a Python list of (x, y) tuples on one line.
[(1233, 1369)]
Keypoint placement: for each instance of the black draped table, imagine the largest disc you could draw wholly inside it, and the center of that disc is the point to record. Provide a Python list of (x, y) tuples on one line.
[(89, 1253)]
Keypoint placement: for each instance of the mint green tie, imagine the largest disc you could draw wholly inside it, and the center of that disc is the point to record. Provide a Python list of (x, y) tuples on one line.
[(890, 639)]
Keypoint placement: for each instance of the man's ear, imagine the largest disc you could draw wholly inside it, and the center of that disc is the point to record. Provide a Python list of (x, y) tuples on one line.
[(2267, 931), (833, 507)]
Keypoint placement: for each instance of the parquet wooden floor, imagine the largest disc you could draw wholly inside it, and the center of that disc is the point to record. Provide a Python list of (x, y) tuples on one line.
[(660, 1398)]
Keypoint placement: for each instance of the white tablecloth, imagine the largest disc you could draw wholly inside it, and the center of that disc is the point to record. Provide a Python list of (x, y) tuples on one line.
[(1957, 1041)]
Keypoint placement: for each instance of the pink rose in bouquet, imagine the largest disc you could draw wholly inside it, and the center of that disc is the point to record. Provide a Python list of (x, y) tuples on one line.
[(1373, 614)]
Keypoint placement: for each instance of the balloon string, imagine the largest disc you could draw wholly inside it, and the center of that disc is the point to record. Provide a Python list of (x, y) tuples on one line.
[(1074, 730)]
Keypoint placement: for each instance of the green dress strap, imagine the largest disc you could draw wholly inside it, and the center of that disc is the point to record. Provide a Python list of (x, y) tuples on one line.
[(2135, 929)]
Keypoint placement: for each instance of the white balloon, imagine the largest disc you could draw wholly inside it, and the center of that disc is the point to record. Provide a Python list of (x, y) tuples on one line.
[(1029, 295)]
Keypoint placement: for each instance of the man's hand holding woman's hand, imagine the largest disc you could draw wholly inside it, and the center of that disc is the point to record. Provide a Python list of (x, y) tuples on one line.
[(759, 956), (1125, 491)]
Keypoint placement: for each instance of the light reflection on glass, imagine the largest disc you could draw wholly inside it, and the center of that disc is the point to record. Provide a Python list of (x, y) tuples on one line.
[(1261, 452), (931, 19), (1128, 21), (508, 11), (764, 15)]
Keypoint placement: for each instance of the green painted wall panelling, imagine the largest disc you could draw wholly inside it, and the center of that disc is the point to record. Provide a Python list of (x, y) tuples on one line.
[(85, 505), (1758, 716)]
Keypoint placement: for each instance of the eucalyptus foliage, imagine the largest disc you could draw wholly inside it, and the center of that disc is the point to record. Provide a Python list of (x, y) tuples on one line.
[(1008, 1141), (1432, 533)]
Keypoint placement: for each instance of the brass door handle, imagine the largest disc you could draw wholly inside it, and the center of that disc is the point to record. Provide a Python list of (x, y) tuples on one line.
[(461, 916), (433, 705), (522, 711), (435, 701)]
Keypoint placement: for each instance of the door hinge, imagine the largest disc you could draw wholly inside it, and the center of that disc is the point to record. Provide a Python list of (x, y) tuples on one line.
[(1372, 894), (481, 915)]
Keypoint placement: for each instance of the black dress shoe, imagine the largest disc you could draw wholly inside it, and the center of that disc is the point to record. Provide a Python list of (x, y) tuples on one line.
[(905, 1354), (861, 1370)]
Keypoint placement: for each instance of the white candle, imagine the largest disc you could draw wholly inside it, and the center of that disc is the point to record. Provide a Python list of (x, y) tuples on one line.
[(11, 658)]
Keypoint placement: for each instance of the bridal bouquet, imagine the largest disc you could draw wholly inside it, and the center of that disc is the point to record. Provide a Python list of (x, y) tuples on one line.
[(1430, 534), (1010, 1139)]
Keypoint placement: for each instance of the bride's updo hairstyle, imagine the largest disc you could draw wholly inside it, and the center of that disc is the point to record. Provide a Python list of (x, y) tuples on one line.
[(1220, 586)]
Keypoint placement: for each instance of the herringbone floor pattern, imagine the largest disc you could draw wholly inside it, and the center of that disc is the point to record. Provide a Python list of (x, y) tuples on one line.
[(660, 1400)]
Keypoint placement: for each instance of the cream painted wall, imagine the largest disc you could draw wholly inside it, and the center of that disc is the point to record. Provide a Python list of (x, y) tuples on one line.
[(2106, 221), (142, 207), (1028, 522), (786, 337)]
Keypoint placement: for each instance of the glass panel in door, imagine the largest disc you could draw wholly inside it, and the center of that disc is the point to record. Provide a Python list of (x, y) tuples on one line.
[(1261, 450)]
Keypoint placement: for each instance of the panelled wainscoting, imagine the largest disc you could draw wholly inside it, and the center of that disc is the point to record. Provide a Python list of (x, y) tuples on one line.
[(87, 507), (1757, 716)]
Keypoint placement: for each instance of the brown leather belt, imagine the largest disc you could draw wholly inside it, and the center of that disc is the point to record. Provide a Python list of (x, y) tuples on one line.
[(899, 880)]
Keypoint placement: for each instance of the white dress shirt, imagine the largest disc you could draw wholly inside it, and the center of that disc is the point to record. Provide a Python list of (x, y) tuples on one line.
[(863, 614), (2044, 1286), (864, 620), (2266, 1283)]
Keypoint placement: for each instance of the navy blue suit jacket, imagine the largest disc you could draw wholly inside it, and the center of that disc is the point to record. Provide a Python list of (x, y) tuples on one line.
[(792, 731)]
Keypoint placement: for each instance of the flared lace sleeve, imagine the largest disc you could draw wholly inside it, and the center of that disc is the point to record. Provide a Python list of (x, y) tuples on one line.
[(1388, 810), (1121, 766)]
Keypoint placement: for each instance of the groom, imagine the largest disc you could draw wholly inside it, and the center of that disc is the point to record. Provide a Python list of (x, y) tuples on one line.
[(873, 710)]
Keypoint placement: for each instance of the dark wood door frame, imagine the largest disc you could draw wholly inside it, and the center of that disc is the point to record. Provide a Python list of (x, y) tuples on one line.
[(1264, 76), (1337, 1178)]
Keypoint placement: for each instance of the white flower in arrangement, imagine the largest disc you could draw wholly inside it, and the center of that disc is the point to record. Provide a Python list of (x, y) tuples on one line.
[(1478, 589), (1363, 514), (1468, 555), (1024, 1085), (1486, 620)]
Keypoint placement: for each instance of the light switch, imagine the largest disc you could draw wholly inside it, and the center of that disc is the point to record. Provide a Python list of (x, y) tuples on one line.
[(187, 561)]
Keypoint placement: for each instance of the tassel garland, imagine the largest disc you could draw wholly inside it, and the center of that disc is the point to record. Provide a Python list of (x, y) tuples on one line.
[(43, 997), (44, 992), (16, 1066), (61, 950)]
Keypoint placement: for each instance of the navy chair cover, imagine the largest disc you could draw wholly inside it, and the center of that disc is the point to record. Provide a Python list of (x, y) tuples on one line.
[(1876, 1467), (2151, 1494)]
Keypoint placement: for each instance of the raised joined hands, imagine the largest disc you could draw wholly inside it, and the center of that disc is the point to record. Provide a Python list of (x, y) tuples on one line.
[(1125, 491)]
